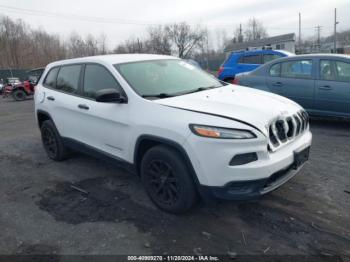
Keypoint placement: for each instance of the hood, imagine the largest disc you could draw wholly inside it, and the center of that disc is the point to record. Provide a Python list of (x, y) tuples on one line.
[(250, 106)]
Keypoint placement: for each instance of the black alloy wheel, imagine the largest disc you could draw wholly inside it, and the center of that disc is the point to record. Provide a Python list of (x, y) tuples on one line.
[(49, 141), (168, 180), (163, 184)]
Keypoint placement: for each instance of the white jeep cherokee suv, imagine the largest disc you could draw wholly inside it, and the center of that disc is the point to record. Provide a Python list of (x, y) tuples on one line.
[(182, 130)]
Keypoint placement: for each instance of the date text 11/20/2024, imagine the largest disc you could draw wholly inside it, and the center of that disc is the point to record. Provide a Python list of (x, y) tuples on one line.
[(174, 258)]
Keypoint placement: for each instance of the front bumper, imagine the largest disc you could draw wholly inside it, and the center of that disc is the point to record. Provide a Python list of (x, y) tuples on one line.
[(245, 190), (211, 162)]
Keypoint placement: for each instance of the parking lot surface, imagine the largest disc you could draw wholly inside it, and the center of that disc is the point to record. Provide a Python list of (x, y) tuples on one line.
[(87, 206)]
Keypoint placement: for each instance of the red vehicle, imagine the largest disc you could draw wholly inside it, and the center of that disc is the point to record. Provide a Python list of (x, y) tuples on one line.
[(21, 90)]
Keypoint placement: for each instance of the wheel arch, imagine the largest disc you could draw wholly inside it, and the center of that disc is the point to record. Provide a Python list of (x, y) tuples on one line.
[(146, 142), (42, 116)]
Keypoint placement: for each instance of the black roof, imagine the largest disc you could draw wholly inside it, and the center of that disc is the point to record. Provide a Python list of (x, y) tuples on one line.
[(261, 42)]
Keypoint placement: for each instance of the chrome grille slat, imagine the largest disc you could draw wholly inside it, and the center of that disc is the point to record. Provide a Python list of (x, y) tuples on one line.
[(286, 129), (295, 127)]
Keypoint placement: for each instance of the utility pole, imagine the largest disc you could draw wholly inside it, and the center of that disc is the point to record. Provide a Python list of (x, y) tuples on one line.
[(299, 33), (240, 37), (318, 28), (335, 31)]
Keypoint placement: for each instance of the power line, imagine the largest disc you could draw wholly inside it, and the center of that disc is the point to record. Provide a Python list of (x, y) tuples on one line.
[(115, 20), (76, 17)]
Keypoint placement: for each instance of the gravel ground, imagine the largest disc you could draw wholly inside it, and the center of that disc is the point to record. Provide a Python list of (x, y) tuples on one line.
[(40, 212)]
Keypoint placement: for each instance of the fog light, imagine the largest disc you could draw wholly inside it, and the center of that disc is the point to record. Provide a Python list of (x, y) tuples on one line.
[(242, 159)]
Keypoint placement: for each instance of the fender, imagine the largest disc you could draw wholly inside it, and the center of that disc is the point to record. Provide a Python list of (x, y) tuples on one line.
[(39, 111), (205, 194), (164, 141)]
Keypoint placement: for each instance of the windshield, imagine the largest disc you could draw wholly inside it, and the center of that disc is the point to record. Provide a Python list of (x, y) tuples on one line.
[(13, 80), (165, 78)]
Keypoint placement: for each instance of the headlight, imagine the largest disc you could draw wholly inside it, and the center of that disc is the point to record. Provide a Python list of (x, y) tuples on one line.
[(221, 132)]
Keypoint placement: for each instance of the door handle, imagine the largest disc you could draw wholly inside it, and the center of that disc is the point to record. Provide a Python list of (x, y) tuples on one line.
[(51, 98), (326, 87), (277, 84), (83, 107)]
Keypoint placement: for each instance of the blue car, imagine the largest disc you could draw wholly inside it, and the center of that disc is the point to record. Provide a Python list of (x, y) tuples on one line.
[(319, 83), (245, 61)]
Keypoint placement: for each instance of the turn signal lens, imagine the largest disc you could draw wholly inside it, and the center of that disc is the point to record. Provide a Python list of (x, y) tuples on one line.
[(221, 132), (206, 132)]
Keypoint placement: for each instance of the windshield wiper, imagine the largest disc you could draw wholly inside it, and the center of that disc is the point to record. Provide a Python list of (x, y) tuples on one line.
[(161, 95), (166, 95), (199, 89)]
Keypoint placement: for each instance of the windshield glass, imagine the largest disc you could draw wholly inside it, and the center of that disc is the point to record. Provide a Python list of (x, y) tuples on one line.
[(13, 80), (165, 78)]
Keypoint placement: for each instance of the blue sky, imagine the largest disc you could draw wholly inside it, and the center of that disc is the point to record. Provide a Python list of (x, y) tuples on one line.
[(120, 19)]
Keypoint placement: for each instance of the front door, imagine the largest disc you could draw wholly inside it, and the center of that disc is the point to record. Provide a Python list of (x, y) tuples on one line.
[(294, 80), (104, 126)]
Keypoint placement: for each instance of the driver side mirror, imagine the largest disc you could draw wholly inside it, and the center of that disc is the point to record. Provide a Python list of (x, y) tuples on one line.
[(110, 96)]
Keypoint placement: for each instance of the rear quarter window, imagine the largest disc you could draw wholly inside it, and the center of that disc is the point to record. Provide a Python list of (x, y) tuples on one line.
[(50, 79), (342, 71)]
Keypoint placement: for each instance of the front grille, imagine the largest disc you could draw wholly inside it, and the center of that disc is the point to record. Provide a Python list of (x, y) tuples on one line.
[(286, 129)]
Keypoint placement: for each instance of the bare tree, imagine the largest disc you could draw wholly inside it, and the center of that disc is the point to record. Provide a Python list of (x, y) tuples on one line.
[(254, 30), (184, 38), (76, 46), (102, 44), (90, 46), (23, 47), (158, 41), (132, 45)]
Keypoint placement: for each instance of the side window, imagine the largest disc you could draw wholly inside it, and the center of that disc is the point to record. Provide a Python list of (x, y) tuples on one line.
[(326, 70), (343, 71), (252, 59), (241, 60), (275, 70), (50, 80), (68, 78), (96, 78), (297, 69), (269, 57)]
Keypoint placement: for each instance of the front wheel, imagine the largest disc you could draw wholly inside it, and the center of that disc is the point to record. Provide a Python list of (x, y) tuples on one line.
[(168, 180), (19, 95)]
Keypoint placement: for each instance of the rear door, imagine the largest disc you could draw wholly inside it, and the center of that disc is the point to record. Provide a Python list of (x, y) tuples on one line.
[(62, 97), (332, 96), (294, 79)]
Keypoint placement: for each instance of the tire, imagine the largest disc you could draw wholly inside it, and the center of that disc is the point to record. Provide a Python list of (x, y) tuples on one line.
[(229, 80), (52, 142), (19, 95), (168, 180)]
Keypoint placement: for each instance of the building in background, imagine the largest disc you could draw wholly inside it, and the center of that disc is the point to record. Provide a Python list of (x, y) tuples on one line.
[(280, 42)]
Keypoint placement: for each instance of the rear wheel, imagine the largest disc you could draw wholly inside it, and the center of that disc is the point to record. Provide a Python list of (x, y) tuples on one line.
[(52, 142), (19, 95), (167, 180)]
